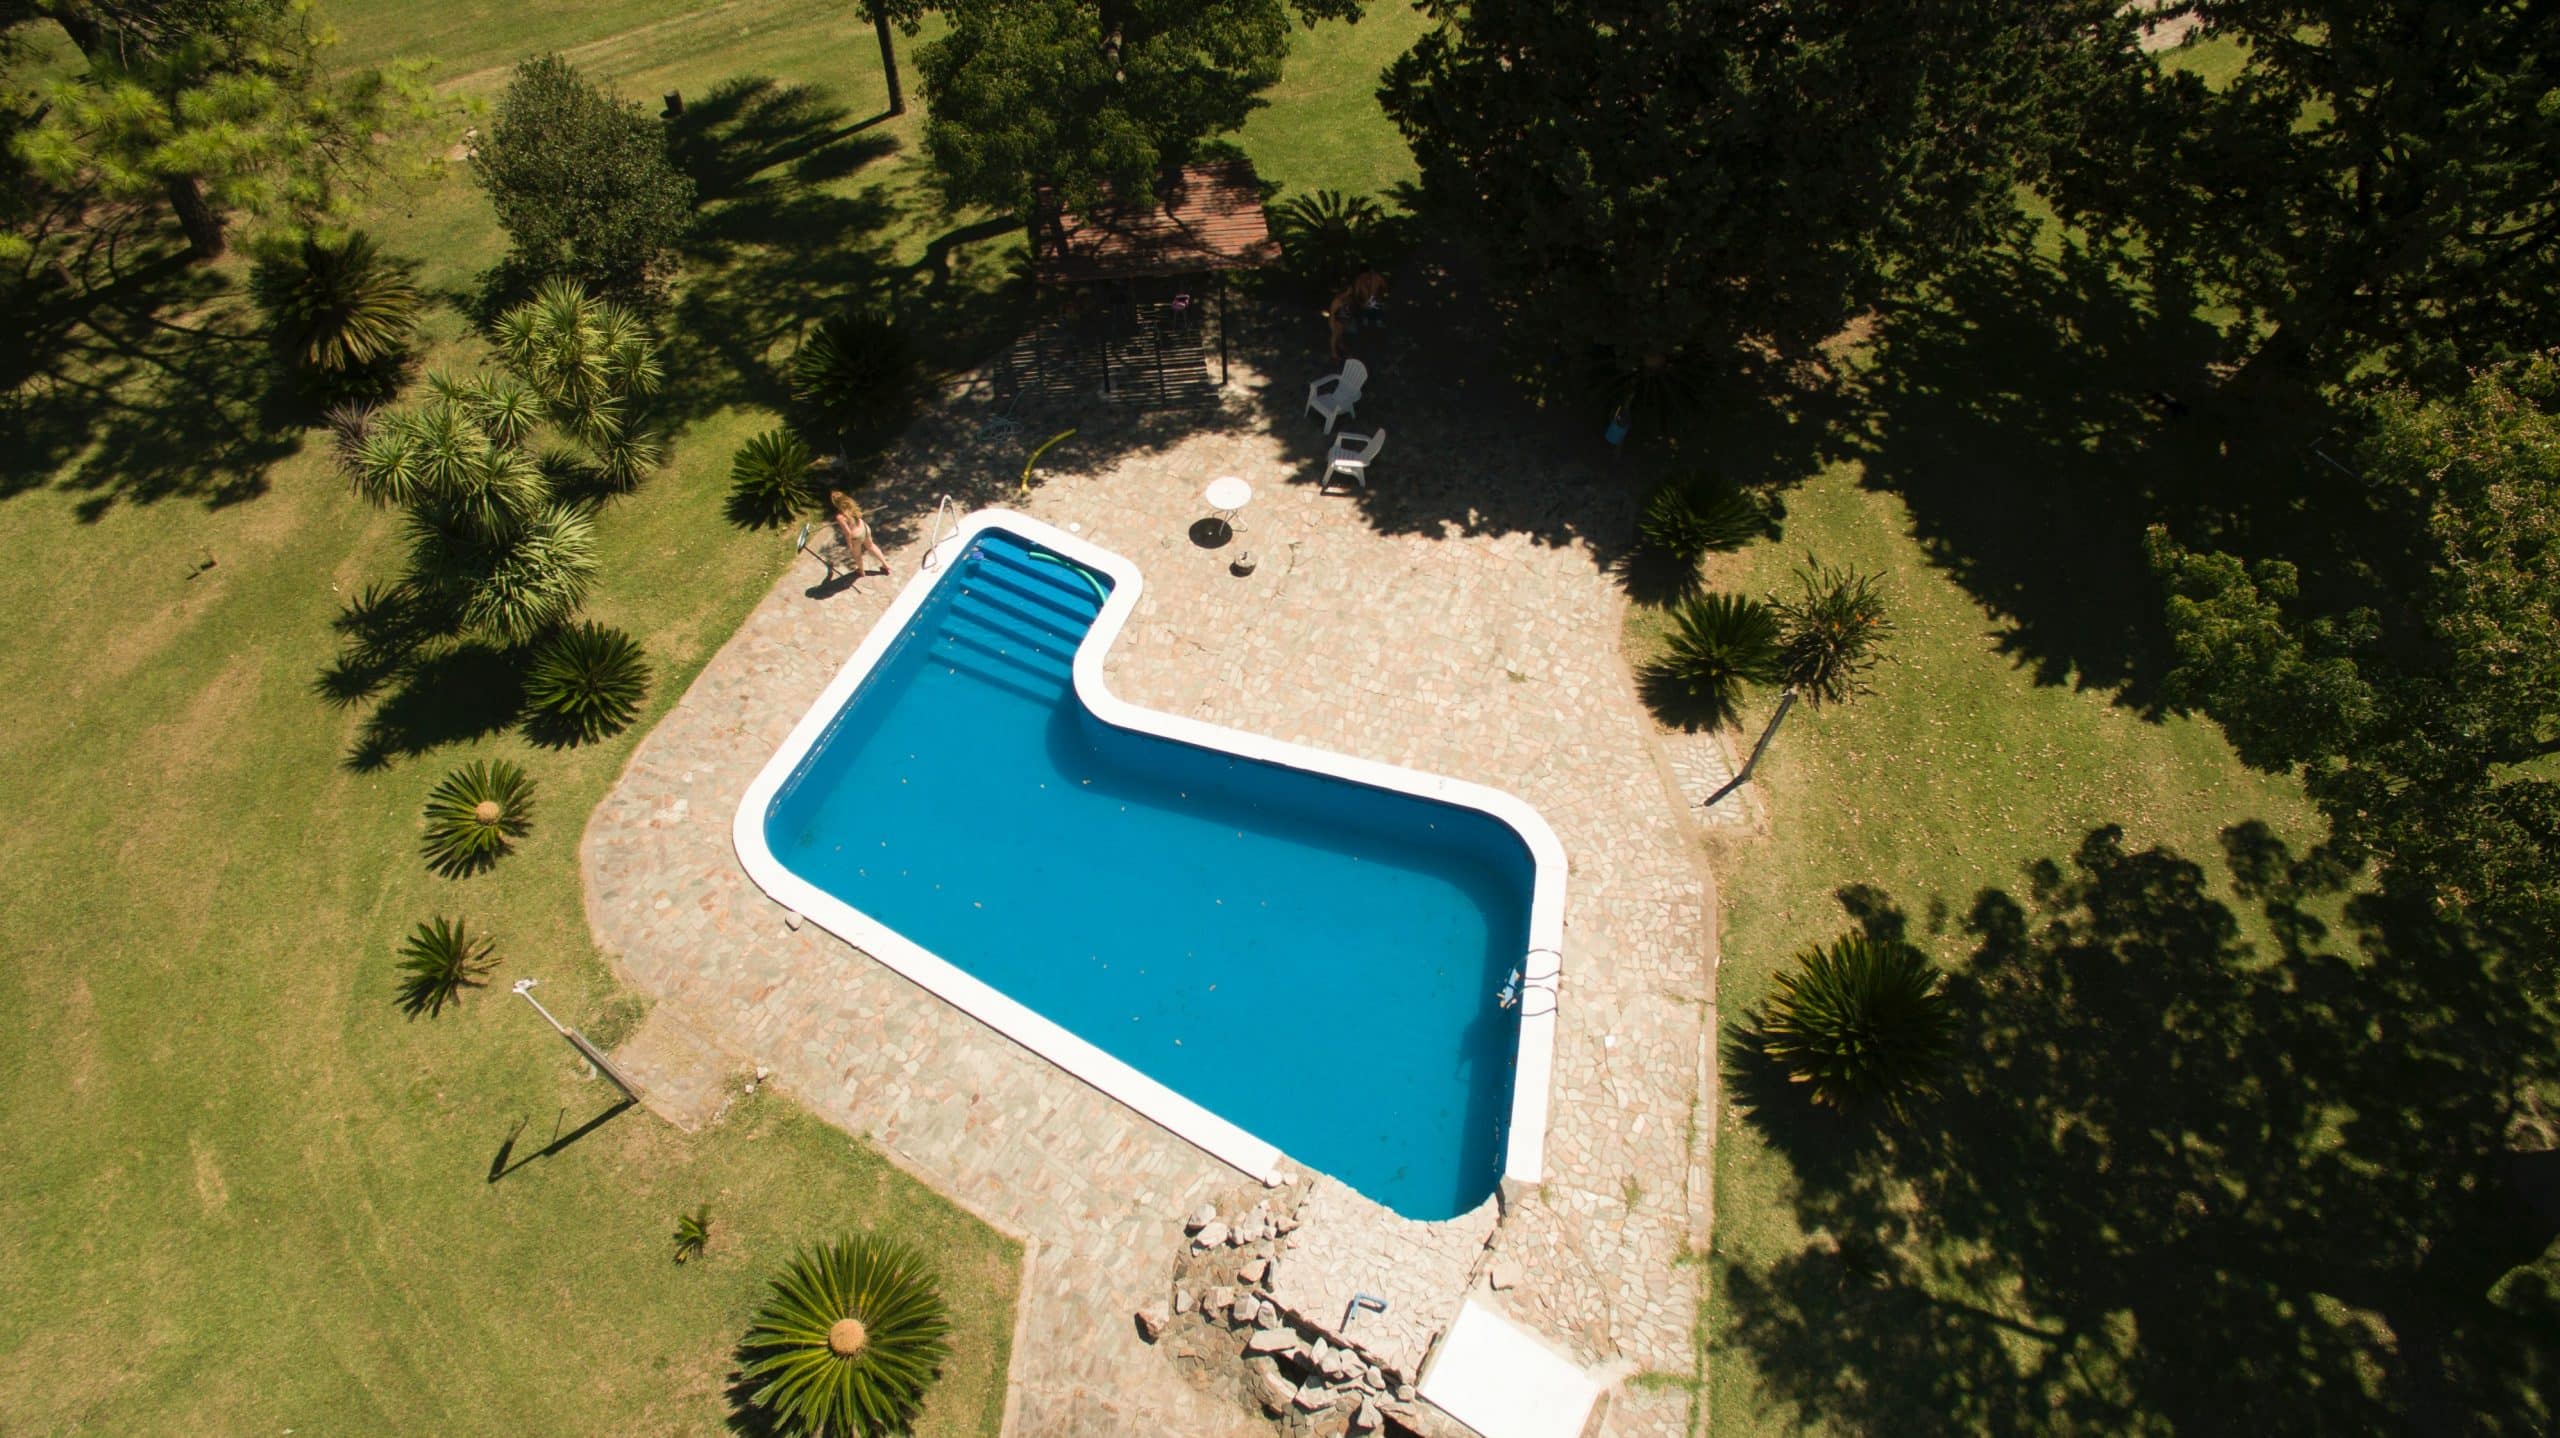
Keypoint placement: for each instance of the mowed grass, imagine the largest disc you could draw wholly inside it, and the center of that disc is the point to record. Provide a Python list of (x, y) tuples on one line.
[(241, 1192), (1957, 772)]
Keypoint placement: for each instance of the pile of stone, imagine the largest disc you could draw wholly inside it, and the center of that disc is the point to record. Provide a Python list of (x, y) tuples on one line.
[(1301, 1375)]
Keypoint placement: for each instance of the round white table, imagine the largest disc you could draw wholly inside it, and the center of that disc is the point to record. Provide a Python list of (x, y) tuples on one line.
[(1228, 494)]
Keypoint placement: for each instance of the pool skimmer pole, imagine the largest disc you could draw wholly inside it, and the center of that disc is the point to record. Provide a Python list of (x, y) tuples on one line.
[(594, 1056)]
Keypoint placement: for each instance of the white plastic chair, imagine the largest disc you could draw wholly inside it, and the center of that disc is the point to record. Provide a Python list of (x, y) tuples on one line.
[(1351, 455), (1336, 395)]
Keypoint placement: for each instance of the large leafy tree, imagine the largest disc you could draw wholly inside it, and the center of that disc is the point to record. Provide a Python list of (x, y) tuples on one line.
[(1660, 185), (2427, 728), (1079, 98), (220, 106), (2380, 177), (582, 182)]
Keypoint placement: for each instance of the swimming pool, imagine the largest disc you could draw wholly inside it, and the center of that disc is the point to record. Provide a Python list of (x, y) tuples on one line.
[(1265, 948)]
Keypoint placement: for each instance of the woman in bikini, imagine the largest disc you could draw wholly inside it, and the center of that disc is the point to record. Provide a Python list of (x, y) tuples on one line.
[(855, 531)]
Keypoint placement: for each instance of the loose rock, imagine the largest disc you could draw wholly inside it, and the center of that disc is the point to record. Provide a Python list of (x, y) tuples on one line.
[(1374, 1379), (1217, 1298), (1271, 1340), (1201, 1218), (1253, 1270), (1267, 1314), (1151, 1322), (1404, 1393), (1366, 1418), (1182, 1300), (1313, 1396), (1277, 1392), (1212, 1234), (1245, 1309)]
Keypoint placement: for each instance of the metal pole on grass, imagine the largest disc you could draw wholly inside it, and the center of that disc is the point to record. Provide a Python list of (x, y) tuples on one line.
[(589, 1052)]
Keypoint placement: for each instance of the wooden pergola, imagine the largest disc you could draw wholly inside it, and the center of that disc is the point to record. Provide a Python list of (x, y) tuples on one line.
[(1152, 266)]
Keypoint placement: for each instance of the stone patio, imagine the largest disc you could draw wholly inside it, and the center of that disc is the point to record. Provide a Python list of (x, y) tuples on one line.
[(1458, 618)]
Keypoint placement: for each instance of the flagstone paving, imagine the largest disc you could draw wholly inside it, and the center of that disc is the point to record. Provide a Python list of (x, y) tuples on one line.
[(1458, 617)]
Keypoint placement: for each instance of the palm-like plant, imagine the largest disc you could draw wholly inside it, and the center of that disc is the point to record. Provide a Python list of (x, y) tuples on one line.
[(587, 681), (853, 1334), (850, 371), (342, 312), (494, 549), (1836, 629), (588, 357), (693, 1233), (1324, 236), (1718, 643), (440, 960), (1861, 1022), (769, 479), (475, 815), (1688, 517), (513, 585)]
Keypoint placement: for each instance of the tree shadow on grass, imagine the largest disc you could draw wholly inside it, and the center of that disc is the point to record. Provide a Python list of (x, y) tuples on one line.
[(446, 693), (788, 238), (144, 378), (2031, 415), (2175, 1184)]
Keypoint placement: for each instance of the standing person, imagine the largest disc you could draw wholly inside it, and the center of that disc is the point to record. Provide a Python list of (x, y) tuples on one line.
[(1369, 288), (855, 531), (1339, 318)]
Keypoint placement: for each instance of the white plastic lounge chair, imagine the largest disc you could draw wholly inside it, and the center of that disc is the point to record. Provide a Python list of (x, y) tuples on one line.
[(1336, 395), (1351, 455)]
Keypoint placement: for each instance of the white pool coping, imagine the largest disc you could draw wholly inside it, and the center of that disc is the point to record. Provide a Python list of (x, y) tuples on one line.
[(1524, 1161)]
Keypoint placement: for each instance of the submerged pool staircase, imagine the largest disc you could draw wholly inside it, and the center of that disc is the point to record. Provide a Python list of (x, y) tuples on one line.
[(1016, 620)]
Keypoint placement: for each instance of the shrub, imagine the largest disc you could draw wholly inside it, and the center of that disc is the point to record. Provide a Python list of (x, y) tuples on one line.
[(1326, 235), (850, 372), (475, 815), (1687, 518), (852, 1336), (1836, 630), (343, 314), (587, 681), (769, 479), (693, 1233), (582, 182), (1863, 1022), (1718, 643), (440, 961)]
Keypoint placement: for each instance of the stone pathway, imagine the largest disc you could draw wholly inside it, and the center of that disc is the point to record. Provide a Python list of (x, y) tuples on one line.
[(1459, 618)]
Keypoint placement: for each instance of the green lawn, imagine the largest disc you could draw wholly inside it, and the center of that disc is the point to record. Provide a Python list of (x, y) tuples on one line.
[(1955, 774), (240, 1192), (2205, 1112)]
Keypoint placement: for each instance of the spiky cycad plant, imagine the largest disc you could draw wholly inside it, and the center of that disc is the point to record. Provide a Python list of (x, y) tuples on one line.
[(342, 312), (853, 1334), (693, 1233), (439, 961), (1835, 631), (587, 681), (851, 370), (1687, 517), (475, 815), (1862, 1022), (769, 479), (1325, 235), (1718, 643)]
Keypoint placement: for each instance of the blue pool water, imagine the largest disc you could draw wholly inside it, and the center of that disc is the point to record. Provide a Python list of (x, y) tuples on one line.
[(1311, 959)]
